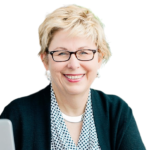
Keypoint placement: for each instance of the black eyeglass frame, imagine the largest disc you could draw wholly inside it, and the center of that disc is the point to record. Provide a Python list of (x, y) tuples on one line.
[(52, 52)]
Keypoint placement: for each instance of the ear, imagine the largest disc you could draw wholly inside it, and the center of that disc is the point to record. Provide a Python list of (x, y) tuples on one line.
[(44, 59), (100, 59)]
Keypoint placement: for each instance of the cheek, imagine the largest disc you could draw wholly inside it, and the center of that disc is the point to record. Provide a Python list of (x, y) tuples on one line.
[(93, 64), (91, 68), (56, 68)]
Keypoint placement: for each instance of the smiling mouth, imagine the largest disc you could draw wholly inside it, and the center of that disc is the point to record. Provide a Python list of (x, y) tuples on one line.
[(74, 77)]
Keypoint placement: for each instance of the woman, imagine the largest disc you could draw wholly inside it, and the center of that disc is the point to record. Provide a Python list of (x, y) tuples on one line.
[(67, 114)]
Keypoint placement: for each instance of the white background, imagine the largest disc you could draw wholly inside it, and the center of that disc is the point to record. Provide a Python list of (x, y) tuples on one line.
[(127, 29)]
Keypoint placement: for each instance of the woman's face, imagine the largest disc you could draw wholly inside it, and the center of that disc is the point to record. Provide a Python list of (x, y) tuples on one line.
[(85, 70)]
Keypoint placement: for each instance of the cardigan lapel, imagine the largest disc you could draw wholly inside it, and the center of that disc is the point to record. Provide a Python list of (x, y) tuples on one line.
[(42, 120), (101, 119)]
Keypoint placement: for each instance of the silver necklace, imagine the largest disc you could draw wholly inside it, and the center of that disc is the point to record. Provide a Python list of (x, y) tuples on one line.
[(73, 119)]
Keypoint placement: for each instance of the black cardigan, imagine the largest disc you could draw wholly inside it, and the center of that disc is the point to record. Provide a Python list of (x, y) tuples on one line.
[(115, 125)]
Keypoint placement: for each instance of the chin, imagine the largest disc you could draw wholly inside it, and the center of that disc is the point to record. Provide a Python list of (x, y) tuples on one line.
[(75, 90)]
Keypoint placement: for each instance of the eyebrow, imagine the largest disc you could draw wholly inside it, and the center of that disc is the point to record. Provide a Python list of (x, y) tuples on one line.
[(57, 48)]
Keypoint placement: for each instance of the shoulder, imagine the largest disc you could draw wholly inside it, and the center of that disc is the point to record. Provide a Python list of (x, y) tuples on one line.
[(112, 107), (32, 97), (27, 103), (108, 100)]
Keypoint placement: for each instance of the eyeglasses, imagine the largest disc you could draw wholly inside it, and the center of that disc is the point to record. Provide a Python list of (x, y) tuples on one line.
[(82, 55)]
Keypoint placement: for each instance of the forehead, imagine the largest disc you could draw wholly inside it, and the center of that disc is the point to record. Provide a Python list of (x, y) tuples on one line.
[(64, 39)]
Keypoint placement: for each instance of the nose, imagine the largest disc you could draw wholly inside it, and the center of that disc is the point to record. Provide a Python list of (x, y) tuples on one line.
[(73, 62)]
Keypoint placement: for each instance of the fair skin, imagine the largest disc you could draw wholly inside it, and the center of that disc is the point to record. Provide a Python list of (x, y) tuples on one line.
[(72, 96)]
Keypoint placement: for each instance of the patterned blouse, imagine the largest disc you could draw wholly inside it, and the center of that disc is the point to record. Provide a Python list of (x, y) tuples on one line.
[(60, 136)]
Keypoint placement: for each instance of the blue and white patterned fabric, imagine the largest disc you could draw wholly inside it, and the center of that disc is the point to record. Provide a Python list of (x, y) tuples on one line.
[(60, 137)]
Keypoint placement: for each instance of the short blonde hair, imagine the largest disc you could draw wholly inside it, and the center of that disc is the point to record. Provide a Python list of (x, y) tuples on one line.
[(80, 21)]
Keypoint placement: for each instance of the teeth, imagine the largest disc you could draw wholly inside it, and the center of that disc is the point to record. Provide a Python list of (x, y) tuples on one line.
[(74, 77)]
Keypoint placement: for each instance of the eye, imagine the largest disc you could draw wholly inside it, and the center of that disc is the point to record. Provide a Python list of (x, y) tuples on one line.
[(62, 53), (83, 52)]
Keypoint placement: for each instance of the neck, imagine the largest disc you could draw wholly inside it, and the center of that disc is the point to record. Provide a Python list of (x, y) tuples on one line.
[(71, 104)]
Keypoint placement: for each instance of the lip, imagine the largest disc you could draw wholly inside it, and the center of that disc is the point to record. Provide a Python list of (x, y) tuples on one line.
[(74, 80), (74, 74)]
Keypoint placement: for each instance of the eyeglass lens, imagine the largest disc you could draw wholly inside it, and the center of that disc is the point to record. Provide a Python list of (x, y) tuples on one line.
[(64, 55)]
